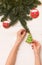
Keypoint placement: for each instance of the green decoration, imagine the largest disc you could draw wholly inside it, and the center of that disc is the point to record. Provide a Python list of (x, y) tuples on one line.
[(29, 39), (17, 10)]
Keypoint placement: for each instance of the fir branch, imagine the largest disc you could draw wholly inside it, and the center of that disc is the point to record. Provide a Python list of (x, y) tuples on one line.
[(17, 10), (13, 20), (24, 24)]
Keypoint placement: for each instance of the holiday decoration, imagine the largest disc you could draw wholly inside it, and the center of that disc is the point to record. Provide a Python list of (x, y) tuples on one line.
[(17, 10), (6, 24), (34, 13), (29, 38)]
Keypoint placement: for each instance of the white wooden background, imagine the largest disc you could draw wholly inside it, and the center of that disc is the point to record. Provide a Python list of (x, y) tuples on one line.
[(25, 54)]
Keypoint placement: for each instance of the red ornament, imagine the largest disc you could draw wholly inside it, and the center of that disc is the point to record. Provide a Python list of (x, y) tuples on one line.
[(6, 24), (34, 13)]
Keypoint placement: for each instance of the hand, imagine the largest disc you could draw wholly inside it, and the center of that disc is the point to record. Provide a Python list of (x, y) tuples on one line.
[(20, 35), (36, 47)]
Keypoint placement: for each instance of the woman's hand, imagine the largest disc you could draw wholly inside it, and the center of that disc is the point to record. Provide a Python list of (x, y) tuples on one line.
[(13, 54), (36, 47), (20, 35)]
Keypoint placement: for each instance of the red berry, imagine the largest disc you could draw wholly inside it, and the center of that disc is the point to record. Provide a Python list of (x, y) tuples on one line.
[(6, 24), (34, 13)]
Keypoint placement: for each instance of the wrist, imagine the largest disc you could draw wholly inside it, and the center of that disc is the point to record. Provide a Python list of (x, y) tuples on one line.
[(17, 42), (37, 54)]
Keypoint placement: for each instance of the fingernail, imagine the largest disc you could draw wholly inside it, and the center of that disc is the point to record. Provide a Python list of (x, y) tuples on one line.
[(22, 32), (32, 47)]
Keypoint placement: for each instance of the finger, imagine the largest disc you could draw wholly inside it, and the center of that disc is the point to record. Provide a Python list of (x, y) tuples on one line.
[(33, 46), (39, 46), (36, 42), (23, 33), (21, 30)]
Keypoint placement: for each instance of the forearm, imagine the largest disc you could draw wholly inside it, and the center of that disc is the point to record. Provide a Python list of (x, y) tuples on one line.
[(12, 56), (37, 59)]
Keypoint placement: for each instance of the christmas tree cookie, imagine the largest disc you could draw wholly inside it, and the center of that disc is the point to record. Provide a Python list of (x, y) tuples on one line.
[(29, 38)]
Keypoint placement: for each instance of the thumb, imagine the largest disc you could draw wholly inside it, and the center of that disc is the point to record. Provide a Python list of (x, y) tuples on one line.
[(34, 47)]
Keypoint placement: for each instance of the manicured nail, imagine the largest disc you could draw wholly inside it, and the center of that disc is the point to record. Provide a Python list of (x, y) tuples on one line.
[(22, 32), (32, 46)]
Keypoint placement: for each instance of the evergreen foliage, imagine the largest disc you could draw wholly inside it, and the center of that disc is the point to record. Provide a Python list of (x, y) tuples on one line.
[(17, 10)]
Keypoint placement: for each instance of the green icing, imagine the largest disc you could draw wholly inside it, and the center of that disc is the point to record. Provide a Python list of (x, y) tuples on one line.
[(29, 39)]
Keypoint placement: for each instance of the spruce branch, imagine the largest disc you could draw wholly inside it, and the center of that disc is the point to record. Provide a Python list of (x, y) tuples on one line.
[(17, 10)]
